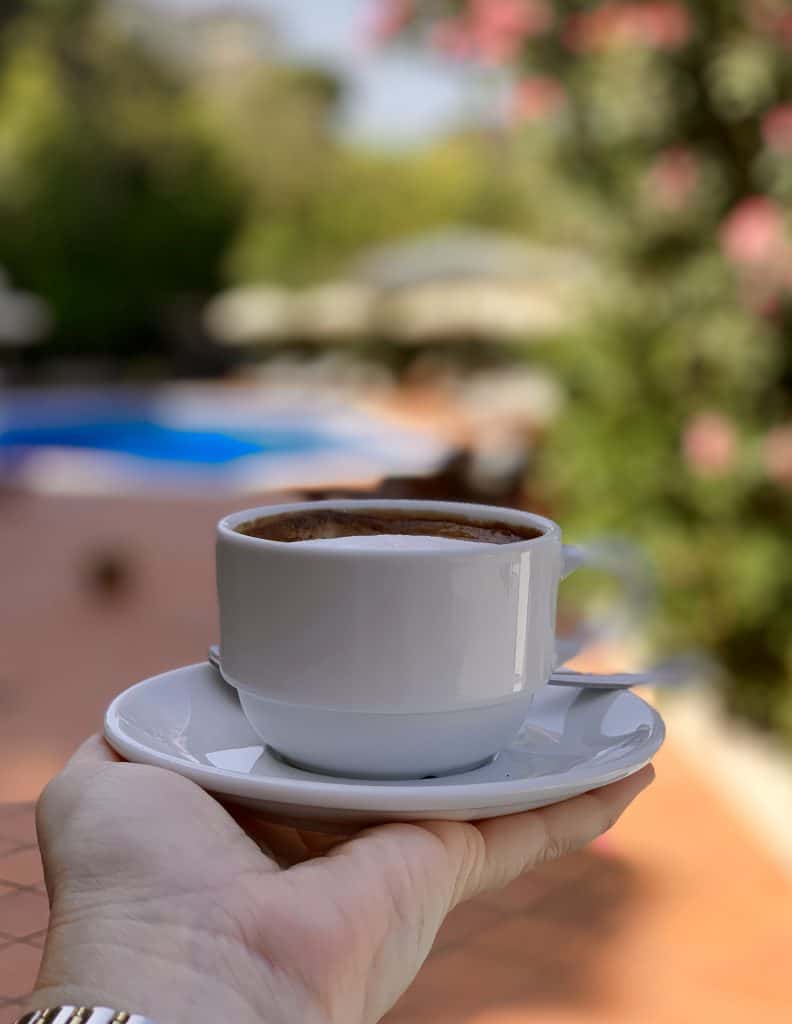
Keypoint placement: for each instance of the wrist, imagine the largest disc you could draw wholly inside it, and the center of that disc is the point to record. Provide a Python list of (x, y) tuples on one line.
[(171, 974)]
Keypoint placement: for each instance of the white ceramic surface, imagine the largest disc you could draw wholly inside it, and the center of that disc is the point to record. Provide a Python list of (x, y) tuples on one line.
[(377, 628), (312, 631), (384, 745), (188, 721)]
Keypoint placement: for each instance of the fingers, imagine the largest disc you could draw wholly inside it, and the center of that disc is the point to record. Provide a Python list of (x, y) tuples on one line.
[(94, 750), (520, 841), (319, 843), (91, 754), (66, 785), (283, 844), (489, 854)]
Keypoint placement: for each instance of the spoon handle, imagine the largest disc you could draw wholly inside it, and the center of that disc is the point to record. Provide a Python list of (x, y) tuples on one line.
[(592, 681), (671, 674)]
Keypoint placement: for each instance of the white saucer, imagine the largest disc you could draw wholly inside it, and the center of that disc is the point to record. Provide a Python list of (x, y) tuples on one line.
[(189, 721)]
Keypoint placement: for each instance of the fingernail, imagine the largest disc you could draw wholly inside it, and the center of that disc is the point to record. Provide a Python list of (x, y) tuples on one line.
[(649, 779)]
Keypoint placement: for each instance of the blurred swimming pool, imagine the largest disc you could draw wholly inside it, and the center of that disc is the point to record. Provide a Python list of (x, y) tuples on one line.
[(175, 438)]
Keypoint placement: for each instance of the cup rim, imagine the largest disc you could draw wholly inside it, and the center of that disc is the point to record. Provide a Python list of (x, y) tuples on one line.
[(227, 528)]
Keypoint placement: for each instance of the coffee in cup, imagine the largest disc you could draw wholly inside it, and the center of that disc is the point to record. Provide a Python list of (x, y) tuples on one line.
[(314, 524)]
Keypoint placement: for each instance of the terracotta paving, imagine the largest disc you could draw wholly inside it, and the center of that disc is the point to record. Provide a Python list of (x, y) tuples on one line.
[(677, 916)]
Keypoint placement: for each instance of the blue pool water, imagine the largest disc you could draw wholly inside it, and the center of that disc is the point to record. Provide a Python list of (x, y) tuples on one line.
[(151, 440), (211, 434), (103, 440)]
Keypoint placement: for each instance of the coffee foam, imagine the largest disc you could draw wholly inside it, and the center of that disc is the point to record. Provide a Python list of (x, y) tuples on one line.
[(320, 524), (390, 542)]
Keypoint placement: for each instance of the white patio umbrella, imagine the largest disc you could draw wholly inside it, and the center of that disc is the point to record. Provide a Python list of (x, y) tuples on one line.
[(25, 319), (250, 315), (334, 311)]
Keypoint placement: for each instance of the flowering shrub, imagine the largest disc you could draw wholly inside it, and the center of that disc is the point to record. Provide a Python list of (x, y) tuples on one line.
[(673, 122), (709, 444)]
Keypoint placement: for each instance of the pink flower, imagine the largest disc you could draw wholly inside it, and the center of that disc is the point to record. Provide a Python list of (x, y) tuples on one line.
[(499, 27), (777, 128), (709, 444), (492, 31), (390, 18), (769, 19), (672, 179), (754, 238), (493, 46), (753, 232), (513, 17), (783, 29), (663, 25), (452, 38), (777, 451), (538, 97)]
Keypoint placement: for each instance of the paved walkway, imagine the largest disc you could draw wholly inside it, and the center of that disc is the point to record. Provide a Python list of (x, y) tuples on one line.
[(678, 916)]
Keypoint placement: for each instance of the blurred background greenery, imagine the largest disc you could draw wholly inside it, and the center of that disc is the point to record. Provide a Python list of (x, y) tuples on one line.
[(602, 234)]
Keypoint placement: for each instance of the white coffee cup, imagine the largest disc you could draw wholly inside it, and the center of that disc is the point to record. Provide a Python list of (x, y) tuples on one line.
[(379, 658)]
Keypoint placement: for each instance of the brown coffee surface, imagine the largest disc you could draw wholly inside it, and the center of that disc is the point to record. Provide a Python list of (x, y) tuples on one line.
[(328, 524)]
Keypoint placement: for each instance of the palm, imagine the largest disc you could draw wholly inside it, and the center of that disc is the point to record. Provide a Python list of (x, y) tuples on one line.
[(346, 926)]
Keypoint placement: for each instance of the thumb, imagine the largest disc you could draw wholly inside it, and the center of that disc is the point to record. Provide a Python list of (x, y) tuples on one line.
[(94, 750)]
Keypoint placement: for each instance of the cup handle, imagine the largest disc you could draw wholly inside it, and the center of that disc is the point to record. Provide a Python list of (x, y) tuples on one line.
[(630, 567)]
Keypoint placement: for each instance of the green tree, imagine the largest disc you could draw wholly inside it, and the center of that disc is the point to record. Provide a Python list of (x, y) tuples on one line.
[(112, 200), (312, 228)]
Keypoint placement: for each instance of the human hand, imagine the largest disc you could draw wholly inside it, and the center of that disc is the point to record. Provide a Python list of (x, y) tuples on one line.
[(164, 905)]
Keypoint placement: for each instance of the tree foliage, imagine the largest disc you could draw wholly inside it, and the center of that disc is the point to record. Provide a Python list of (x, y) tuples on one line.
[(145, 163), (111, 198)]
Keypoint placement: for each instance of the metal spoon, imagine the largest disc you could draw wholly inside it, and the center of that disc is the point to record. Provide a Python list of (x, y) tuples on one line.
[(669, 674)]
